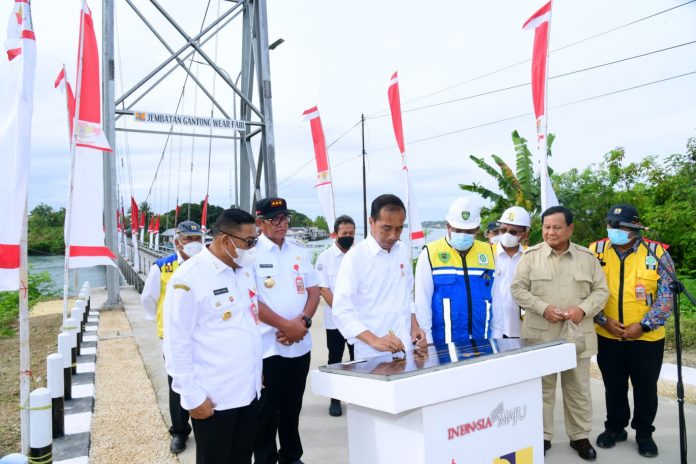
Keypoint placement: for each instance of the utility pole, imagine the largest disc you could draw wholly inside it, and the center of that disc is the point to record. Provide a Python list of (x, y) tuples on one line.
[(362, 124), (113, 281)]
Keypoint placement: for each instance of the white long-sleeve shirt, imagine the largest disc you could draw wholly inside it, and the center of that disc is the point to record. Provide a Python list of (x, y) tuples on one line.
[(212, 343), (328, 264), (151, 290), (374, 291), (283, 265), (506, 312)]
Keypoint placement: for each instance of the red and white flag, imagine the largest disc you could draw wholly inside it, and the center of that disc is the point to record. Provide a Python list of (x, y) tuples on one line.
[(540, 23), (204, 215), (85, 229), (324, 186), (135, 226), (89, 129), (16, 101), (417, 237)]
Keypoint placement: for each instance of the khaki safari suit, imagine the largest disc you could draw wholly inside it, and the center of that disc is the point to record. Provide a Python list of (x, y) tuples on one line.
[(572, 278)]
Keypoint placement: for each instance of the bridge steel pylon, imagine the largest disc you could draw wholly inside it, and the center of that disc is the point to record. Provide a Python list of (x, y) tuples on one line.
[(255, 170)]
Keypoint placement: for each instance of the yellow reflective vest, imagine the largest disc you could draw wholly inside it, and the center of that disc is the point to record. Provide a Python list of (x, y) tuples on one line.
[(167, 266), (632, 285)]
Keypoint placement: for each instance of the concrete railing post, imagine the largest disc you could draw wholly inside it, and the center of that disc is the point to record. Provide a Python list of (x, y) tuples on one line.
[(40, 441), (65, 350), (54, 380)]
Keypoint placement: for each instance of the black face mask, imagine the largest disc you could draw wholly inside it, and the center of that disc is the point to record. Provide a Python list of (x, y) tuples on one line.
[(345, 242)]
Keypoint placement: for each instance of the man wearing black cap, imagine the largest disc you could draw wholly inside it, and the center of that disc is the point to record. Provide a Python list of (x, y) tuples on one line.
[(630, 329), (492, 233), (288, 298), (188, 242)]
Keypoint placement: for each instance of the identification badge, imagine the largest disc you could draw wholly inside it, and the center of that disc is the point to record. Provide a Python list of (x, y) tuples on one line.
[(299, 285), (640, 292)]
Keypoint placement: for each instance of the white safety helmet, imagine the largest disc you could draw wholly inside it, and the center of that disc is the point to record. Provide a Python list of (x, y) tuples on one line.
[(517, 216), (464, 213)]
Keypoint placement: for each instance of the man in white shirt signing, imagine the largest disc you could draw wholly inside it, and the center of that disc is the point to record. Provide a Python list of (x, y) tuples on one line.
[(212, 342), (373, 302), (328, 264)]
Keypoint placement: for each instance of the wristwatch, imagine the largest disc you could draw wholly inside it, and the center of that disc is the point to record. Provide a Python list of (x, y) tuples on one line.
[(307, 321), (645, 327)]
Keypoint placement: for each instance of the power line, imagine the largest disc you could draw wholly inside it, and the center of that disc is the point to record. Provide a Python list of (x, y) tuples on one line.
[(505, 68), (569, 73), (301, 168), (528, 114)]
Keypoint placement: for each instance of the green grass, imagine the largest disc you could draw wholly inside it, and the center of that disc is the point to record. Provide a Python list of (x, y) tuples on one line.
[(40, 288), (687, 320)]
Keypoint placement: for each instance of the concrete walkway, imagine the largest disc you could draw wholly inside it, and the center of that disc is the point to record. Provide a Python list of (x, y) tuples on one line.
[(325, 438)]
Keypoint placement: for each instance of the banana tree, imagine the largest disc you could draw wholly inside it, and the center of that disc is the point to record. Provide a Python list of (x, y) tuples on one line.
[(515, 188)]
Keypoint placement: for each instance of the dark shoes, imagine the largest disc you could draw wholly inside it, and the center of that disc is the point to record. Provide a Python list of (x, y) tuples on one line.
[(584, 449), (335, 409), (647, 447), (178, 444), (547, 446), (608, 439)]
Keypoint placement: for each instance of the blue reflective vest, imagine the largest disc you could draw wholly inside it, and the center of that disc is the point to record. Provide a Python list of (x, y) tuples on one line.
[(461, 301)]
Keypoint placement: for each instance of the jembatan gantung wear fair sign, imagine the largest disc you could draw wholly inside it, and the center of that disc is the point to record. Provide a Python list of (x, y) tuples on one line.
[(191, 121)]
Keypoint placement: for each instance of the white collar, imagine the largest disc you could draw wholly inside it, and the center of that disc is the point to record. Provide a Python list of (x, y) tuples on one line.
[(269, 244), (375, 247), (214, 261)]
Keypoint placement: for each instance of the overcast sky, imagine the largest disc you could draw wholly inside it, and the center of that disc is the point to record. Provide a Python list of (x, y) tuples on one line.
[(340, 56)]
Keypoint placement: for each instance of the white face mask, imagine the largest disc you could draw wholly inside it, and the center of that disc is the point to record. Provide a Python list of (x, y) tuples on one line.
[(191, 249), (244, 257), (508, 241), (495, 240)]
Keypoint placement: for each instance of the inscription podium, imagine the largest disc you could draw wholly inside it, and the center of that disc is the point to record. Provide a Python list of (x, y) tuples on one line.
[(465, 402)]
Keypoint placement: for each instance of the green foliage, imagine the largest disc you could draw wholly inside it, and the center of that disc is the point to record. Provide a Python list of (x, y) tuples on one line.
[(664, 192), (300, 220), (45, 230), (516, 188), (41, 288), (320, 223)]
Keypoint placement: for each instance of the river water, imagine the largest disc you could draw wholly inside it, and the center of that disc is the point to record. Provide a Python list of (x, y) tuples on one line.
[(54, 266)]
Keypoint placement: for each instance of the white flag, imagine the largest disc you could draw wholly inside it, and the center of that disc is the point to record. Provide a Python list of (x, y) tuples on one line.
[(16, 101)]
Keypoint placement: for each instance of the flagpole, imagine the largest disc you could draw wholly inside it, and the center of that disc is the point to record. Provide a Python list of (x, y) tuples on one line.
[(24, 351), (364, 178), (542, 147), (73, 149)]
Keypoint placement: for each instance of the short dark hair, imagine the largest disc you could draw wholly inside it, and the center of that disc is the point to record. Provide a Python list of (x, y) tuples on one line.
[(558, 209), (230, 220), (342, 220), (387, 201)]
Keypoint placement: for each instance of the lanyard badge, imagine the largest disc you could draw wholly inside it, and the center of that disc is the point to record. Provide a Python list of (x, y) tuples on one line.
[(299, 283)]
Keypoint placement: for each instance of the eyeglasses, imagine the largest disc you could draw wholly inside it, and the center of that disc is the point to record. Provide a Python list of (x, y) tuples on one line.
[(250, 242), (513, 232), (280, 219)]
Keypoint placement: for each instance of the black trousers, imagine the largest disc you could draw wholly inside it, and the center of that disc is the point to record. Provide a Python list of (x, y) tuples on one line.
[(179, 415), (641, 362), (280, 405), (337, 345), (226, 437)]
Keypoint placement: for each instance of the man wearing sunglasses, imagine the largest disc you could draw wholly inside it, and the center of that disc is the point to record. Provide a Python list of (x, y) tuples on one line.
[(212, 341), (288, 295), (512, 234), (454, 278), (631, 328)]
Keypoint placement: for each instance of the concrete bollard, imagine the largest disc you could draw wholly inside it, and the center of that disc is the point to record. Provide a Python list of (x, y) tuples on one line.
[(65, 350), (40, 441), (82, 305), (54, 380), (76, 315), (71, 327)]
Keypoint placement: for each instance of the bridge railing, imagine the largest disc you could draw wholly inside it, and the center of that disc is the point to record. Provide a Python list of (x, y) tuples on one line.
[(146, 258)]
